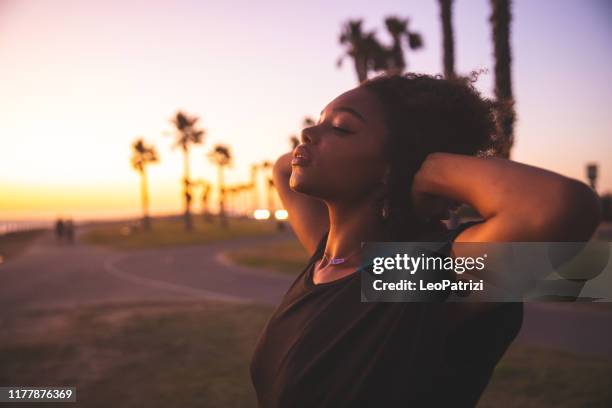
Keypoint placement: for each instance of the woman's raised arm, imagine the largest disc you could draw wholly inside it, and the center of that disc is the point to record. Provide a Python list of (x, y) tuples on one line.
[(308, 216), (519, 202)]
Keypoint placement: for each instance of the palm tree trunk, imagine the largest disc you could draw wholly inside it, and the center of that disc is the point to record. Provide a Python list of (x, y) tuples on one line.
[(361, 68), (245, 202), (396, 62), (448, 60), (221, 195), (205, 197), (448, 42), (144, 195), (500, 19), (255, 193), (229, 202), (186, 172), (187, 190)]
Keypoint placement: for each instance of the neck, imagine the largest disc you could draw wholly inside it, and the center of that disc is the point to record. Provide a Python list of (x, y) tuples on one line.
[(350, 224)]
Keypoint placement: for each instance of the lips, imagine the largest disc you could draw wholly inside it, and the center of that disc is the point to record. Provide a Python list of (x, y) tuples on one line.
[(301, 156)]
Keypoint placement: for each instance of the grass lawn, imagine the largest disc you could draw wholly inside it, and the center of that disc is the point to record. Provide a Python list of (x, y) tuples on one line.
[(197, 354), (530, 377), (170, 232), (140, 355), (288, 257), (14, 243)]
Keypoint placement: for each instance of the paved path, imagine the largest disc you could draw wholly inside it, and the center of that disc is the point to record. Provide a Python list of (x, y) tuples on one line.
[(50, 275)]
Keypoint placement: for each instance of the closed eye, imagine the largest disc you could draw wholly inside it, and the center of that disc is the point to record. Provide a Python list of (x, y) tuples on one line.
[(341, 130)]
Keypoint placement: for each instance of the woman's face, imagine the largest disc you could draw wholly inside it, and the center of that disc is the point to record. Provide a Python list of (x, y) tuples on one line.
[(343, 151)]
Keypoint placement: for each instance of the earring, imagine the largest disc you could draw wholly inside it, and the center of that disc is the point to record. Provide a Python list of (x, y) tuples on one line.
[(384, 212)]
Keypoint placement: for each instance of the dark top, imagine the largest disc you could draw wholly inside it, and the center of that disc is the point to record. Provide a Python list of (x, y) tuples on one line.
[(323, 347)]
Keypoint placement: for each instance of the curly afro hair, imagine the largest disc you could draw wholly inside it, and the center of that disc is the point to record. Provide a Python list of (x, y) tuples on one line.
[(426, 114)]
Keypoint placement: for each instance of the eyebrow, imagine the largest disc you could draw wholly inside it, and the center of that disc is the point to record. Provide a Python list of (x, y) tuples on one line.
[(347, 110)]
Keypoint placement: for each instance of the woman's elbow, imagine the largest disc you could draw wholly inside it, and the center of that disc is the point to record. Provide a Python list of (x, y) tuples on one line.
[(575, 214)]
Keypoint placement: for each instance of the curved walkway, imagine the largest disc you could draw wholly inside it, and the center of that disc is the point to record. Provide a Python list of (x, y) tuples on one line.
[(50, 275)]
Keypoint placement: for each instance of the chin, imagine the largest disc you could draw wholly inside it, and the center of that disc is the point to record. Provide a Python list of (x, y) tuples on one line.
[(302, 183)]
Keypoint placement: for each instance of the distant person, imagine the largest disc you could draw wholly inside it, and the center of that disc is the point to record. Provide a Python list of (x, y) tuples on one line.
[(385, 162), (59, 229)]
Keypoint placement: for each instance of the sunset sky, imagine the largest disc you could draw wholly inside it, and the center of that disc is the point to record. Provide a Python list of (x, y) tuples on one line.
[(79, 80)]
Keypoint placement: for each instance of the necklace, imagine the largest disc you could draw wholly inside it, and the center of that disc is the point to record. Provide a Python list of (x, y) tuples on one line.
[(339, 260)]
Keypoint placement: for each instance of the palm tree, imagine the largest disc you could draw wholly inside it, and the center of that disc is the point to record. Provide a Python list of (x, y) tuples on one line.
[(361, 47), (187, 134), (221, 156), (448, 60), (141, 156), (205, 200), (235, 200), (448, 42), (369, 54), (308, 121), (248, 199), (227, 200), (246, 187), (254, 186), (500, 20), (271, 196), (269, 183), (398, 29)]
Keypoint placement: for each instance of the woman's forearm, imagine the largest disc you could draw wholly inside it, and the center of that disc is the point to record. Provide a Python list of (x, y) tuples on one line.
[(501, 187), (490, 185)]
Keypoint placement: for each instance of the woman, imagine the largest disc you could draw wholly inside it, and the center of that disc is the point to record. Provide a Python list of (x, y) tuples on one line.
[(385, 162)]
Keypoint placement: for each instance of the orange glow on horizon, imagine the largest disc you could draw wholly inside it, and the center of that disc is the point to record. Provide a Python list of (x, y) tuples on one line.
[(78, 90)]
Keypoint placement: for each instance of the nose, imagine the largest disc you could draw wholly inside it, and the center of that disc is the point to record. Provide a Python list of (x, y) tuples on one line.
[(307, 135)]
